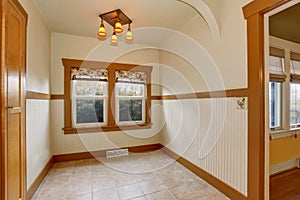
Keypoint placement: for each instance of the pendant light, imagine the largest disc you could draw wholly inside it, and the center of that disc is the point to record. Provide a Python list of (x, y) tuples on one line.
[(118, 27), (129, 36), (114, 39), (102, 31)]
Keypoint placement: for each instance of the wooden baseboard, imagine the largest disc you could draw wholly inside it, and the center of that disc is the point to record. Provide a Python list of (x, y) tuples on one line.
[(215, 182), (34, 186), (282, 172), (102, 153)]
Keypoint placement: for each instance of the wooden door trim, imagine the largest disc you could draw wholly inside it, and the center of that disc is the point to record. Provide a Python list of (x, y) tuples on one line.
[(254, 14)]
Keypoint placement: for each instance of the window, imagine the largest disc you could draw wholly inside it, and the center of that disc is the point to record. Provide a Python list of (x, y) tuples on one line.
[(294, 105), (295, 90), (275, 105), (277, 77), (106, 96)]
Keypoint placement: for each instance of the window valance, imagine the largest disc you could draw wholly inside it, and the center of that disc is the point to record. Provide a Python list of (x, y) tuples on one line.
[(89, 74), (131, 76)]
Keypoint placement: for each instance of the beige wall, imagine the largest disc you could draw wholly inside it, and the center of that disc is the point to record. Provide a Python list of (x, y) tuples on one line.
[(210, 133), (226, 55), (38, 80), (77, 47)]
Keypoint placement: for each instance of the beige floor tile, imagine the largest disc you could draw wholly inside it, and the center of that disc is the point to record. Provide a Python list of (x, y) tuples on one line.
[(163, 195), (151, 186), (107, 194), (184, 192), (139, 198), (76, 188), (102, 183), (122, 179), (130, 191), (86, 196), (202, 188), (214, 196), (140, 177), (51, 194)]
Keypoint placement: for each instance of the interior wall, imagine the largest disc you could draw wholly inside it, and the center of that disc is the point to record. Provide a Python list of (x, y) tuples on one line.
[(210, 133), (77, 47), (38, 80)]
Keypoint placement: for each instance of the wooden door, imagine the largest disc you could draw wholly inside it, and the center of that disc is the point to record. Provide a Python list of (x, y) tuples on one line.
[(13, 84)]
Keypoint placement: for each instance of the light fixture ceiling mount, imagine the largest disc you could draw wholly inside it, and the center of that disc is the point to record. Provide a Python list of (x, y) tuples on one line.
[(116, 19)]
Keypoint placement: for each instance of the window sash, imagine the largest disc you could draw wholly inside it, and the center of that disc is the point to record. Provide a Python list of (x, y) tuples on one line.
[(119, 85), (76, 83), (117, 114), (90, 96), (92, 124)]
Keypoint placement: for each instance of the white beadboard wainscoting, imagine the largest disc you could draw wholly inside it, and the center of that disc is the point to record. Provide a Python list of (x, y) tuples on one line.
[(37, 137), (74, 143), (210, 133)]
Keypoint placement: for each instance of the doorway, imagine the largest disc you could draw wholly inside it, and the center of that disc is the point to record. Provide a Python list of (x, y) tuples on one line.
[(282, 60)]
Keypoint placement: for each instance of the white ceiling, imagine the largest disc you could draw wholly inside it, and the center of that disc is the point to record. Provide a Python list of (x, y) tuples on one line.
[(80, 17)]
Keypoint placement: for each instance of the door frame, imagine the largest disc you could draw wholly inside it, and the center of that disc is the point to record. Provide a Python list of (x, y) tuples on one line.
[(254, 13)]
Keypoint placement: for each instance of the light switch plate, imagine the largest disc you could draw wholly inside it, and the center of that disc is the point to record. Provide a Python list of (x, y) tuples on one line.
[(242, 103)]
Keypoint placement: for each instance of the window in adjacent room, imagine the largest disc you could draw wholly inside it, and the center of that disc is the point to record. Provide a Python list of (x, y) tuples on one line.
[(277, 77), (295, 90)]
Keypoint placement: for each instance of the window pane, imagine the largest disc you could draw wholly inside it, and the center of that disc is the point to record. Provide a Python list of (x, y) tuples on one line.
[(295, 67), (89, 88), (295, 104), (274, 104), (130, 110), (130, 90), (89, 111)]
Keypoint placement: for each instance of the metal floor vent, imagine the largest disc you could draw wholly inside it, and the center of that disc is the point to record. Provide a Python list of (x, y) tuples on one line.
[(116, 153)]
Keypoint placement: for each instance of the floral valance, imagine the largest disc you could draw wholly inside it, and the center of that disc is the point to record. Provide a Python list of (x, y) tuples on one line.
[(89, 74), (131, 76)]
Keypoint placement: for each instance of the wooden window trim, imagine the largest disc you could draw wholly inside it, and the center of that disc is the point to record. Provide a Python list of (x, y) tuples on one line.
[(111, 123)]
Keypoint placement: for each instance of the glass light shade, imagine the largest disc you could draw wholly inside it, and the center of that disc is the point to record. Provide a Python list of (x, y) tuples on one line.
[(102, 31), (118, 27), (129, 35), (114, 39)]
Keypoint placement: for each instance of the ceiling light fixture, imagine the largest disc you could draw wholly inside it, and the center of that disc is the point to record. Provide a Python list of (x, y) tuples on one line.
[(116, 19), (129, 34), (114, 39), (102, 31)]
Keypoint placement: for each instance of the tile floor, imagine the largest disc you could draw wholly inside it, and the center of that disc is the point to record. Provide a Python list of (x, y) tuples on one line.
[(143, 176)]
